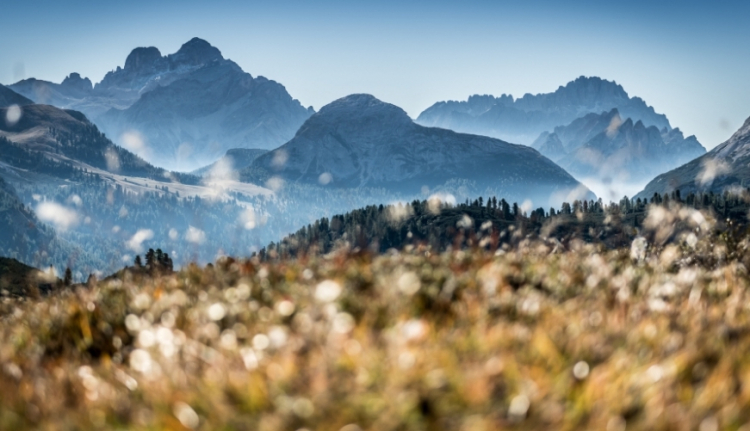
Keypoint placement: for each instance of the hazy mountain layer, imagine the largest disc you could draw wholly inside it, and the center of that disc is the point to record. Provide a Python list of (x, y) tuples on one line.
[(359, 141), (581, 130), (522, 120), (725, 167), (608, 148), (180, 111)]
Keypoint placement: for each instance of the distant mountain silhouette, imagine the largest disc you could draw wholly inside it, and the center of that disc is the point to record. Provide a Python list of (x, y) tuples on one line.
[(360, 141), (179, 111), (725, 167), (522, 120), (609, 147)]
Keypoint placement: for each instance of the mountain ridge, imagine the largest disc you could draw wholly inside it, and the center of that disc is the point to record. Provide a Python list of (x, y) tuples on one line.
[(522, 120)]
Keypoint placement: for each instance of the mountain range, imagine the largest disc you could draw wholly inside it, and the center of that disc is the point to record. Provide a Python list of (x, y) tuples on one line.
[(360, 141), (609, 147), (179, 111), (725, 167), (522, 120)]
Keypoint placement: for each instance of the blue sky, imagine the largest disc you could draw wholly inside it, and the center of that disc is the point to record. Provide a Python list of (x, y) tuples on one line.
[(687, 59)]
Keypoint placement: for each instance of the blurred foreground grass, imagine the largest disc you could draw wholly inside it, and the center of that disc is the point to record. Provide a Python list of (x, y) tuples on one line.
[(539, 336)]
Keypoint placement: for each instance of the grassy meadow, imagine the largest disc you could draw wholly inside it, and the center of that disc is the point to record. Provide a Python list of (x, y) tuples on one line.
[(541, 335)]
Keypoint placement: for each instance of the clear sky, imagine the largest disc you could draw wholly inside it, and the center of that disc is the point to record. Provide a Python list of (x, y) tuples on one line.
[(690, 60)]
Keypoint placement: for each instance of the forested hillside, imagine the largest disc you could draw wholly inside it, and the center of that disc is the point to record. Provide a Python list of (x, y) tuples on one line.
[(494, 223)]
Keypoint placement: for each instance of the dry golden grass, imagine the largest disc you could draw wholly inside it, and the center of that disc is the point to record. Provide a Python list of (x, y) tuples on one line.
[(536, 337)]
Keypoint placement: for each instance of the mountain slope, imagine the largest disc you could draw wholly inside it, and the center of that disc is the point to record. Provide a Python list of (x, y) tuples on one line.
[(359, 141), (180, 111), (725, 167), (66, 138), (9, 97), (522, 120)]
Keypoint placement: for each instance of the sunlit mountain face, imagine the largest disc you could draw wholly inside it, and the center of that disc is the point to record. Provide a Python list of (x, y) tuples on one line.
[(392, 216)]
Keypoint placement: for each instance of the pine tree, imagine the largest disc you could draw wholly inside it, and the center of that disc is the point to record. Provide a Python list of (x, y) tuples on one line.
[(68, 279), (150, 263)]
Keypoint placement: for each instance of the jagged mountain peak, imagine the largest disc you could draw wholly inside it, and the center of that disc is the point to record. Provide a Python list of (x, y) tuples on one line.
[(583, 90), (74, 80), (595, 84)]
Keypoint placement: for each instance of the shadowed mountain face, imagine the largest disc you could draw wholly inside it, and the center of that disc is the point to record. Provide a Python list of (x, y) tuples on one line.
[(9, 97), (359, 141), (608, 148), (45, 136), (726, 167), (522, 120), (179, 111)]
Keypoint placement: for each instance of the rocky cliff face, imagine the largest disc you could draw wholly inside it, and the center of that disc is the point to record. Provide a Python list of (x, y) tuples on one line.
[(609, 147), (182, 110), (725, 167), (522, 120), (360, 141)]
